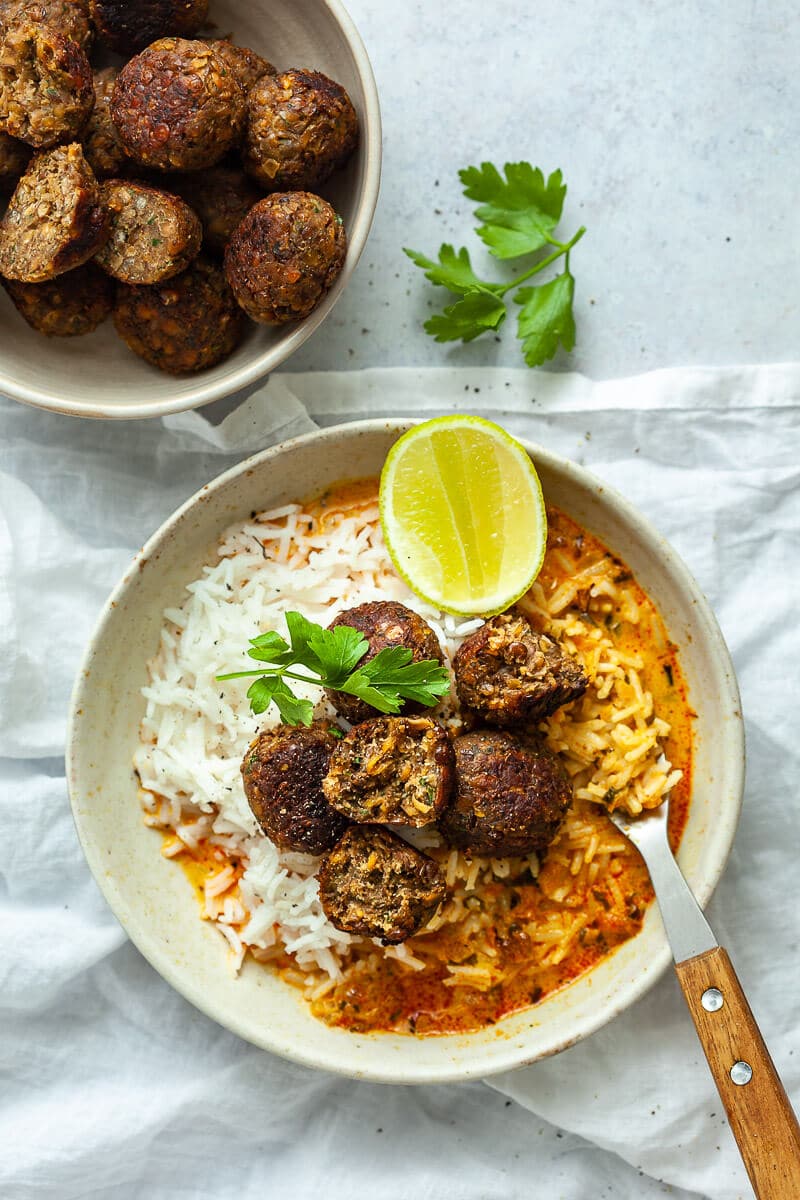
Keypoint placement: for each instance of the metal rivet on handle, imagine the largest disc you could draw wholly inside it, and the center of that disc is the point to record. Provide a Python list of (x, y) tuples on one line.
[(741, 1073), (712, 1000)]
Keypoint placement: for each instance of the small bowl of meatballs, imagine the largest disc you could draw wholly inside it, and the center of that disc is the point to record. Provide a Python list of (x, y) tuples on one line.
[(430, 892), (185, 188)]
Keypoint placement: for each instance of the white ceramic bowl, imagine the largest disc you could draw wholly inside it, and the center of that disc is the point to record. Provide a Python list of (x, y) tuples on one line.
[(152, 898), (96, 375)]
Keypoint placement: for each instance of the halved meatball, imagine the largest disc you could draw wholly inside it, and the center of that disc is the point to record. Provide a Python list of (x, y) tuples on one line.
[(127, 26), (177, 106), (385, 623), (301, 126), (154, 235), (55, 220), (284, 256), (394, 769), (282, 773), (68, 306), (374, 884), (14, 158), (222, 197), (46, 89), (510, 798), (184, 324), (246, 65), (104, 151), (510, 674), (68, 17)]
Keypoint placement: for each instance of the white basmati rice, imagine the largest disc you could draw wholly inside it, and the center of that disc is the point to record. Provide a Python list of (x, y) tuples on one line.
[(195, 730)]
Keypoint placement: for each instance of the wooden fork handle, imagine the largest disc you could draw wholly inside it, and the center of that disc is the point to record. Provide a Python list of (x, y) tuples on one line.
[(759, 1112)]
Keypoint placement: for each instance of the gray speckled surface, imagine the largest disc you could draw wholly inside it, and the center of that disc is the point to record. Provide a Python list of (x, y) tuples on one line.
[(674, 125)]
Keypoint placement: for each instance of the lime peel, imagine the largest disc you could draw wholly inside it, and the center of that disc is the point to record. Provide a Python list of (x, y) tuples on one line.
[(463, 515)]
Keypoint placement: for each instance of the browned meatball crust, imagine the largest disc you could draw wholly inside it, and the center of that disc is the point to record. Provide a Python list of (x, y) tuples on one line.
[(127, 26), (69, 306), (282, 773), (177, 107), (285, 256), (14, 158), (55, 220), (246, 65), (104, 151), (222, 197), (188, 323), (374, 884), (384, 623), (154, 235), (398, 770), (46, 90), (68, 17), (510, 798), (510, 674), (301, 126)]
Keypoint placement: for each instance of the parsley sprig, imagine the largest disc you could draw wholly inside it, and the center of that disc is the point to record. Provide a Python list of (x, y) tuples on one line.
[(330, 658), (518, 214)]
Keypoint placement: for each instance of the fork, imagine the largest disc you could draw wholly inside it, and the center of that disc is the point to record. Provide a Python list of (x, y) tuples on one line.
[(759, 1112)]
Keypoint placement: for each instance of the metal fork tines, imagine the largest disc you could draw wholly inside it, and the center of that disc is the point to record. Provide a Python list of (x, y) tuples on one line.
[(687, 929)]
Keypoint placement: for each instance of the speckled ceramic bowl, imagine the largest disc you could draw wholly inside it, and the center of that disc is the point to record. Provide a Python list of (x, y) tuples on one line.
[(97, 376), (153, 899)]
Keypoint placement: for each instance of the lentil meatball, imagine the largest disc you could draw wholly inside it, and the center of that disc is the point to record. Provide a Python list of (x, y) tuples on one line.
[(285, 256), (508, 673), (68, 17), (510, 798), (46, 91), (154, 235), (101, 145), (385, 623), (127, 26), (222, 197), (14, 158), (55, 220), (177, 107), (282, 775), (374, 884), (188, 323), (394, 769), (301, 126), (246, 65), (68, 306)]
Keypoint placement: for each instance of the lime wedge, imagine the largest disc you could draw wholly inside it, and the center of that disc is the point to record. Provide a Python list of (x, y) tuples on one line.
[(463, 515)]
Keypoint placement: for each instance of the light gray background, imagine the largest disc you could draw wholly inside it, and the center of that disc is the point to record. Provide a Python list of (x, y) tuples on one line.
[(675, 125)]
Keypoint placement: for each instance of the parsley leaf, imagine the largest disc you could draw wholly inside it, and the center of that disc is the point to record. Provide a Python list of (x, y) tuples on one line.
[(292, 710), (268, 647), (330, 658), (338, 649), (520, 212), (468, 318), (413, 680), (453, 270), (546, 319)]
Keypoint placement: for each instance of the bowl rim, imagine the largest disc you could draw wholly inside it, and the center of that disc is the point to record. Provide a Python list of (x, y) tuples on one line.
[(251, 372), (506, 1055)]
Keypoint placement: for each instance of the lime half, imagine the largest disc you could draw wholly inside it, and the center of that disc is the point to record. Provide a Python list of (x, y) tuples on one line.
[(463, 515)]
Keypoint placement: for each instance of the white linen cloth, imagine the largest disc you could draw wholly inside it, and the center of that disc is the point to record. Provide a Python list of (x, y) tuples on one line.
[(112, 1085)]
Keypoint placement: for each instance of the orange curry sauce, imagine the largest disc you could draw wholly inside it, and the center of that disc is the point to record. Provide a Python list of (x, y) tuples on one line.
[(390, 996)]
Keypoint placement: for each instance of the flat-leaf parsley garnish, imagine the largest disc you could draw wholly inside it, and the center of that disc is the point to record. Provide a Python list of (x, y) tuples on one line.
[(330, 658), (518, 213)]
